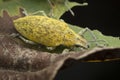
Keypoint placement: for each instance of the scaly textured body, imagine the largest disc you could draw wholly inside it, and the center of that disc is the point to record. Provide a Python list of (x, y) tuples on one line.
[(47, 31)]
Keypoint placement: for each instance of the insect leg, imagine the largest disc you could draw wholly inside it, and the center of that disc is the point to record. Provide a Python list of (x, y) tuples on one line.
[(50, 3), (66, 4), (93, 36), (83, 4), (39, 11), (65, 51), (25, 12), (27, 41), (14, 35), (50, 48), (22, 38), (51, 10)]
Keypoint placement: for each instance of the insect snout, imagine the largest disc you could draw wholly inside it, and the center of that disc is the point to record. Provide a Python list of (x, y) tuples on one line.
[(85, 47)]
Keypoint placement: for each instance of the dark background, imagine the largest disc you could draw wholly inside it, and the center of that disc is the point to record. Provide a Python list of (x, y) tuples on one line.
[(91, 71), (102, 15), (99, 14)]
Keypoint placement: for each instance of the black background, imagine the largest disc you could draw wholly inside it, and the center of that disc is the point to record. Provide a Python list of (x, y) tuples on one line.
[(102, 15), (91, 71), (99, 14)]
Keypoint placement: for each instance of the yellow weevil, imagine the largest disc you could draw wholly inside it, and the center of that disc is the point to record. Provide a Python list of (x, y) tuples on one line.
[(48, 31)]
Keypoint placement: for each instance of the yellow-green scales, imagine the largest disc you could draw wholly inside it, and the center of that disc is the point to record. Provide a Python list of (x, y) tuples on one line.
[(48, 31)]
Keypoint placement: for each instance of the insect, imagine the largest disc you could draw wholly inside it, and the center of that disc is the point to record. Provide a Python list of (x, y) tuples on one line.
[(48, 31)]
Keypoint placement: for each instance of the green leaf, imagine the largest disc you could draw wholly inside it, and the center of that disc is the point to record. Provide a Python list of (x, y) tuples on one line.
[(30, 5), (111, 41), (60, 6), (56, 8)]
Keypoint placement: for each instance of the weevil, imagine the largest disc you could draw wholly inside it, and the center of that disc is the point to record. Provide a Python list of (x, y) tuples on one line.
[(48, 31)]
